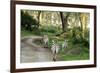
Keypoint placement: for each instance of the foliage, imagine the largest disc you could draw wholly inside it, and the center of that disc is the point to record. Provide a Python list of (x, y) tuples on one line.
[(28, 33), (50, 30), (77, 36), (74, 52), (27, 22)]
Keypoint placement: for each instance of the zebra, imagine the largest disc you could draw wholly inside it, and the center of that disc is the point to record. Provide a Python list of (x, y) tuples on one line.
[(55, 49), (45, 40)]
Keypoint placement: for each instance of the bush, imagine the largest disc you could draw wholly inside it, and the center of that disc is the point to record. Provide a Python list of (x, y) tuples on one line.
[(49, 30), (27, 22), (77, 37)]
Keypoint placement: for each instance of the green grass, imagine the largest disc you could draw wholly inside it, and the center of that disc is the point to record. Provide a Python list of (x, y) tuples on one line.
[(63, 54), (26, 33), (43, 30), (83, 54), (50, 30), (30, 33)]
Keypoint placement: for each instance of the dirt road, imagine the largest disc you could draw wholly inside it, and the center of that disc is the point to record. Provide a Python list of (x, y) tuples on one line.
[(30, 52)]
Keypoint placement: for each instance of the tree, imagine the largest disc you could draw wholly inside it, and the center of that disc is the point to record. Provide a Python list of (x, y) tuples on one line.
[(64, 20), (38, 18), (84, 18), (28, 22)]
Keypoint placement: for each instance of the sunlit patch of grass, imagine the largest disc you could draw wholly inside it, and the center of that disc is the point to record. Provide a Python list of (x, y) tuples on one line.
[(26, 33), (73, 53), (82, 56), (29, 33)]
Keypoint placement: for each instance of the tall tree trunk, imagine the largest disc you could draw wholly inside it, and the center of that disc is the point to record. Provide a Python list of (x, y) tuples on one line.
[(64, 19), (81, 22), (38, 18)]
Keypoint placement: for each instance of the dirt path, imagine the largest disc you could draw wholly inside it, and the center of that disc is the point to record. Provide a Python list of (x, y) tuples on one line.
[(30, 52)]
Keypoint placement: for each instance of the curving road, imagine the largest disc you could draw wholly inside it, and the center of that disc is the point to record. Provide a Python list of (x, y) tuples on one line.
[(31, 52)]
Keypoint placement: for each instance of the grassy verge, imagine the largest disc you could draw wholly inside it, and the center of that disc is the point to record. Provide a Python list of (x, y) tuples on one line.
[(72, 52)]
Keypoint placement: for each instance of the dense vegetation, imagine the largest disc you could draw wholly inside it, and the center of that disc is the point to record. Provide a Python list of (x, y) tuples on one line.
[(59, 26)]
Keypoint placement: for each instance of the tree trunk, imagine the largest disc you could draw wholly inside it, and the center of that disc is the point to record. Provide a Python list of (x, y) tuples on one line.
[(82, 33), (38, 18), (64, 20)]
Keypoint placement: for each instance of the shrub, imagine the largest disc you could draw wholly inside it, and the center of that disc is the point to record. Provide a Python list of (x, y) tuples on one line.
[(27, 22)]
